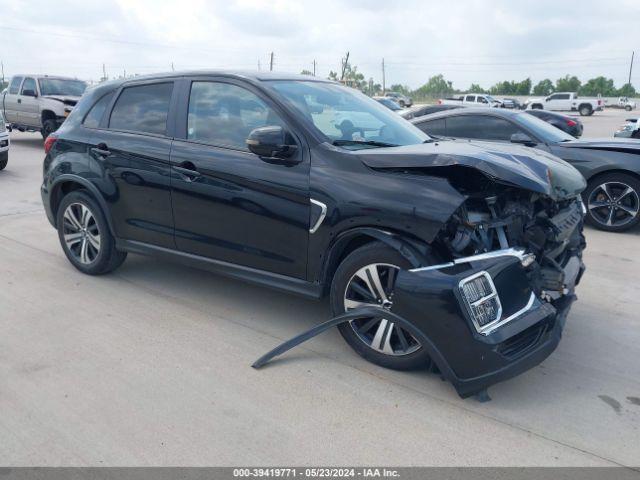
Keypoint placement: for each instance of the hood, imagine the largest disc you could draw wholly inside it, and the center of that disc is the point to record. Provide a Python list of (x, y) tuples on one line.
[(523, 167), (66, 99), (610, 144)]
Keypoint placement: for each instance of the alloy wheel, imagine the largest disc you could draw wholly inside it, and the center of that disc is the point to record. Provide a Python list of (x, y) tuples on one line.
[(372, 285), (613, 204), (81, 233)]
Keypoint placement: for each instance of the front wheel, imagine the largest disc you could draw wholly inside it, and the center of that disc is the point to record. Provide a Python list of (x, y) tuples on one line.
[(84, 235), (627, 108), (613, 202), (585, 110), (366, 278)]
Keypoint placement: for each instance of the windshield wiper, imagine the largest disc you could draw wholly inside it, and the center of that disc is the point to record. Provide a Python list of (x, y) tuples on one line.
[(371, 143)]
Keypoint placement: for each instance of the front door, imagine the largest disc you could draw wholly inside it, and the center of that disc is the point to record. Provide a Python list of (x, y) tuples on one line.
[(229, 204), (29, 111), (10, 100)]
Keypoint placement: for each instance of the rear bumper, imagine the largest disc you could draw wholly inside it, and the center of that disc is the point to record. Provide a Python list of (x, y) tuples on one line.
[(528, 330)]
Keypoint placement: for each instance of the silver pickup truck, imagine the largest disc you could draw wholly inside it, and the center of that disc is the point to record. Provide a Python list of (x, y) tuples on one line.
[(40, 102)]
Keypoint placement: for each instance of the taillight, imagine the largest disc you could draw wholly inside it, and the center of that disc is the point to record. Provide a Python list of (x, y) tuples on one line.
[(571, 123), (48, 142)]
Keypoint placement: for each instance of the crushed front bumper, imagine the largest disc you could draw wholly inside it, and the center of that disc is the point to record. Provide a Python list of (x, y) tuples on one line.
[(472, 358)]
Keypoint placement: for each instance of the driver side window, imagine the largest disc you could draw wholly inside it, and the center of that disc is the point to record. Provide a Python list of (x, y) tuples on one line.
[(224, 114)]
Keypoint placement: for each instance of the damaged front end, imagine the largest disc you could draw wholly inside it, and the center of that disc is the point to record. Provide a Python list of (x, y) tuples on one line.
[(498, 305)]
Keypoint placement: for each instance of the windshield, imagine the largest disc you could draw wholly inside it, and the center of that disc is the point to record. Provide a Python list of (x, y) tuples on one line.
[(390, 104), (543, 130), (342, 114), (58, 86)]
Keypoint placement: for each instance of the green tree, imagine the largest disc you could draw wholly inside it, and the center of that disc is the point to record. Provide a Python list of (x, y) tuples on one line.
[(568, 84), (627, 90), (403, 89), (435, 86), (544, 87), (599, 86), (475, 88), (523, 87), (306, 72)]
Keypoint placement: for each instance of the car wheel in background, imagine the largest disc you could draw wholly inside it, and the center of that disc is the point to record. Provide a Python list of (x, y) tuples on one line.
[(366, 277), (613, 202), (3, 163), (636, 134), (536, 106), (48, 127), (585, 110), (84, 235), (627, 108)]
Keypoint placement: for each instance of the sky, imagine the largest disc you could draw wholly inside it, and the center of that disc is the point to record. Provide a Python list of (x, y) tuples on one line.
[(468, 41)]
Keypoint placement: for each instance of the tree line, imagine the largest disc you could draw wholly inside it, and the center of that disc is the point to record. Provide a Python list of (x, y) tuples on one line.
[(438, 85)]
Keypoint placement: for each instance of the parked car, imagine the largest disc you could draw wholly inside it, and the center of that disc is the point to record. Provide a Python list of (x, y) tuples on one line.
[(571, 125), (623, 102), (4, 143), (567, 102), (233, 173), (471, 100), (421, 110), (512, 103), (401, 99), (631, 129), (390, 104), (611, 167), (40, 102)]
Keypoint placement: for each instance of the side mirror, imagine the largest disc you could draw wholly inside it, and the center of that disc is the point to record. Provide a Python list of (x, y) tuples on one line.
[(273, 144), (29, 93), (523, 139)]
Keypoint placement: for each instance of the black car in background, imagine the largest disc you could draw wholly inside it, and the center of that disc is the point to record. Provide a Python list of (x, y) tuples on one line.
[(512, 103), (611, 167), (309, 186), (422, 110), (571, 125)]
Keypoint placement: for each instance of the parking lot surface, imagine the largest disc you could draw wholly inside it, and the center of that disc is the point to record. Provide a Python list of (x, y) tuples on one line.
[(151, 366)]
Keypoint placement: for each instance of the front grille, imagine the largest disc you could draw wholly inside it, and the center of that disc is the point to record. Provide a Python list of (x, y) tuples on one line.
[(525, 341)]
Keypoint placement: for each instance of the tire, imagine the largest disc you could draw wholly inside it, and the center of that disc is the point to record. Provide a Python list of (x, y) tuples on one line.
[(613, 192), (636, 134), (536, 106), (396, 357), (585, 110), (85, 235), (401, 103), (3, 164), (627, 108), (48, 127)]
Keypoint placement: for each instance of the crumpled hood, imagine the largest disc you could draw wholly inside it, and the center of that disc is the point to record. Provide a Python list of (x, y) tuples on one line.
[(66, 99), (524, 167)]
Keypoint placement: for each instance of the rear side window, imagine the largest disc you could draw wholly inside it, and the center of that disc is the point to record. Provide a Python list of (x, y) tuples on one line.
[(433, 127), (14, 88), (92, 120), (224, 114), (470, 98), (142, 109)]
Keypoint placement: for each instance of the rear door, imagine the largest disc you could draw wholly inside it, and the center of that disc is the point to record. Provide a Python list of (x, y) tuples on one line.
[(471, 99), (131, 148), (29, 111), (229, 204), (11, 100)]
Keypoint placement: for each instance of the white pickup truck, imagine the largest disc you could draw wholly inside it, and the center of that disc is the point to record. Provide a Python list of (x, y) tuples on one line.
[(471, 100), (566, 102), (623, 102)]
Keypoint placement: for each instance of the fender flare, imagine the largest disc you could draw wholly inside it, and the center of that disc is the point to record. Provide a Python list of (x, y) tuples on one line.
[(399, 243), (68, 177)]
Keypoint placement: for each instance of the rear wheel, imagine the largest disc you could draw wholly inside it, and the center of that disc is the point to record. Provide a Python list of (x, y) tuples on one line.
[(627, 108), (366, 278), (85, 237), (585, 110), (613, 202), (3, 163)]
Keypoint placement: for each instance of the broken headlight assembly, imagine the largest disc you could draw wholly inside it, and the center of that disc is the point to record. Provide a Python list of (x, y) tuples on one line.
[(481, 300)]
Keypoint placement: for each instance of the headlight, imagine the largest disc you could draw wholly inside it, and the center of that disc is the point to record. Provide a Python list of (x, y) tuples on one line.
[(482, 300)]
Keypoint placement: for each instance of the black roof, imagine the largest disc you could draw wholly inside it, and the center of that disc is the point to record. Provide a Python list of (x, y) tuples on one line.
[(494, 112)]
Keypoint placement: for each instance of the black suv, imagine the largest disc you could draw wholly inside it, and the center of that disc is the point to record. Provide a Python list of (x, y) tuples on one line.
[(309, 186)]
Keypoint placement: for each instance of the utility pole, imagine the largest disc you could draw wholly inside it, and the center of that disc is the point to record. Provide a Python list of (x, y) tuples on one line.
[(630, 67), (172, 69), (314, 69), (104, 73), (259, 65), (2, 66), (344, 66), (384, 85), (271, 63)]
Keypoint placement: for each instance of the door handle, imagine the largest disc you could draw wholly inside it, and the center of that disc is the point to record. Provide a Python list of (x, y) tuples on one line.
[(188, 171), (101, 150)]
